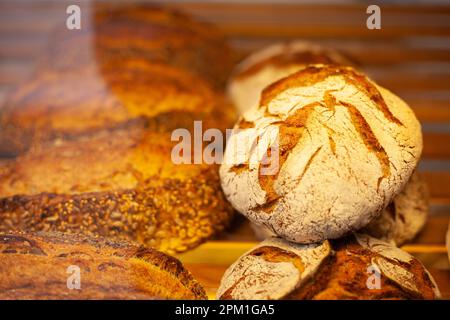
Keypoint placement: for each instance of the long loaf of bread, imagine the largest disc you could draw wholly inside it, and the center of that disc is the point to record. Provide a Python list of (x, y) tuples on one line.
[(92, 143), (61, 266)]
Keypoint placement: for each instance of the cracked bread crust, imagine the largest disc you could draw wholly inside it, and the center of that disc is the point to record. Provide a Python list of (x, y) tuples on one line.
[(405, 217), (119, 183), (333, 124), (34, 266), (336, 269), (272, 63)]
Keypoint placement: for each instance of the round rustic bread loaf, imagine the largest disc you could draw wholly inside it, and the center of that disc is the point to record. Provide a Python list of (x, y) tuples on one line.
[(398, 223), (36, 266), (355, 267), (272, 63), (404, 217), (325, 152)]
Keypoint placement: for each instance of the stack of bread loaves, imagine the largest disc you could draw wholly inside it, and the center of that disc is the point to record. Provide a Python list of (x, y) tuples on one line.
[(89, 141), (342, 153)]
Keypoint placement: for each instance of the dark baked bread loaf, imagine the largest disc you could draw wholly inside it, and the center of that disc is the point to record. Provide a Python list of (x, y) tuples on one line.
[(93, 144), (132, 62), (56, 105), (339, 269), (35, 266)]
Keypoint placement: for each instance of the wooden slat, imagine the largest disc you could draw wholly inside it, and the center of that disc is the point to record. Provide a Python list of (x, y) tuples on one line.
[(431, 111), (436, 145), (378, 53), (434, 231), (398, 81), (438, 183), (14, 72), (251, 8), (22, 48)]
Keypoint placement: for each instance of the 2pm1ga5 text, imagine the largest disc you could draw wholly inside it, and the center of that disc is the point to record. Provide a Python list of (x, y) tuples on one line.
[(226, 309)]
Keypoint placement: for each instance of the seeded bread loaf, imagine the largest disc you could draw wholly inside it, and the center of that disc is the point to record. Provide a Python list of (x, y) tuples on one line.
[(355, 267), (93, 144), (399, 223), (119, 183), (36, 266), (295, 164), (272, 63)]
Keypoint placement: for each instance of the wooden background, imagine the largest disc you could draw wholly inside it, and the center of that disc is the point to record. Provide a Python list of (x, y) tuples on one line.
[(410, 55)]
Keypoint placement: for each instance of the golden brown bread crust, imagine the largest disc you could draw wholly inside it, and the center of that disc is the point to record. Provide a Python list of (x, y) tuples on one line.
[(119, 183), (34, 266), (53, 106), (133, 62), (344, 276), (92, 138)]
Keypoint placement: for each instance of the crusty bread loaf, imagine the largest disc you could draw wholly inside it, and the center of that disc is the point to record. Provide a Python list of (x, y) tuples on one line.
[(93, 143), (141, 61), (398, 223), (272, 63), (405, 217), (57, 106), (114, 33), (355, 267), (119, 183), (340, 148), (35, 266)]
